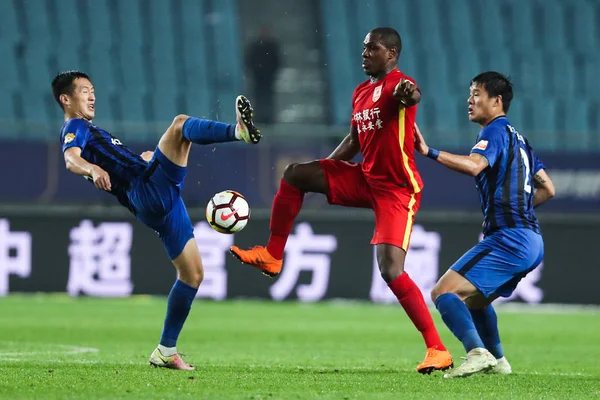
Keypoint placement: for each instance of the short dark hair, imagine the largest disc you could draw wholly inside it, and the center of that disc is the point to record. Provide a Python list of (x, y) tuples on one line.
[(389, 37), (496, 84), (63, 83)]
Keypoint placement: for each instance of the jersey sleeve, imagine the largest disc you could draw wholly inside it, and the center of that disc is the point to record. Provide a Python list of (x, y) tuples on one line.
[(75, 133), (538, 165), (490, 144)]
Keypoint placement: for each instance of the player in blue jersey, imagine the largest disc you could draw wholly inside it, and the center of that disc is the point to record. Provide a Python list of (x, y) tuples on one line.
[(149, 185), (511, 182)]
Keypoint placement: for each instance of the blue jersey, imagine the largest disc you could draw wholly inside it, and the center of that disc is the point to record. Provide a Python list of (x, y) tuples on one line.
[(101, 148), (506, 186)]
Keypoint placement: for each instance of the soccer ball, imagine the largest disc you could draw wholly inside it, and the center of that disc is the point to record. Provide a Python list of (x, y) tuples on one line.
[(228, 212)]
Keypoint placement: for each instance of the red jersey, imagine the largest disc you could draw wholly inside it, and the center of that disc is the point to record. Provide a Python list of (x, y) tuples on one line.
[(385, 132)]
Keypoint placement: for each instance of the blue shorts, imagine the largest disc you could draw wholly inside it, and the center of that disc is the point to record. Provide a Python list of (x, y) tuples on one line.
[(497, 263), (156, 198)]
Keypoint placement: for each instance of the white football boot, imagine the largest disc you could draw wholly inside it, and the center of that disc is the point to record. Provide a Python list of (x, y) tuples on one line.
[(477, 360), (501, 368)]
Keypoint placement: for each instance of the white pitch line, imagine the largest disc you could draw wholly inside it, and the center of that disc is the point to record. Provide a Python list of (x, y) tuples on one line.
[(55, 349)]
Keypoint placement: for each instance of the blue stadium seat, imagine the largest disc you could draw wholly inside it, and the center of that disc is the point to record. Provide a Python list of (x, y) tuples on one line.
[(103, 54), (550, 22), (560, 75), (132, 102), (529, 72), (399, 15), (431, 35), (545, 122), (197, 90), (227, 59), (574, 117), (490, 29), (459, 32), (10, 32), (9, 74), (132, 67), (584, 25), (435, 77), (162, 43), (165, 104), (463, 65), (520, 22), (589, 65), (338, 52), (7, 109), (101, 36), (499, 61)]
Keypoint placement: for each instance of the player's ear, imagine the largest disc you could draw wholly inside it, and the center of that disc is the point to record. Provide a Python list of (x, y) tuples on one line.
[(64, 99), (499, 100)]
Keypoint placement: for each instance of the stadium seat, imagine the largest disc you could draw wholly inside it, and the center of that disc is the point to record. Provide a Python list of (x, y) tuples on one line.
[(519, 20), (429, 19), (545, 122), (559, 74), (337, 52), (10, 32), (9, 74), (574, 124), (458, 26), (197, 90), (584, 26), (529, 68), (7, 109), (488, 17), (463, 66), (227, 59), (550, 23), (131, 63)]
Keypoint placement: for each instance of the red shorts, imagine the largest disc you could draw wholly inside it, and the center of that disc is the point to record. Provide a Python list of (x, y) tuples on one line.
[(394, 207)]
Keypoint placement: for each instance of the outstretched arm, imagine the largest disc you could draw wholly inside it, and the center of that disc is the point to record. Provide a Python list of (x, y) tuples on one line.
[(544, 188), (471, 165), (407, 93), (77, 165), (348, 148)]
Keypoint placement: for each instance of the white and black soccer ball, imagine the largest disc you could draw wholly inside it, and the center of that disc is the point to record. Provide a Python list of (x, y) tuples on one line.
[(228, 212)]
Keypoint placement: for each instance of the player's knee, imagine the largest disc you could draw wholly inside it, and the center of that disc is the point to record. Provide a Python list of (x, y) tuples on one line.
[(192, 276), (390, 267), (437, 291), (290, 174), (177, 124)]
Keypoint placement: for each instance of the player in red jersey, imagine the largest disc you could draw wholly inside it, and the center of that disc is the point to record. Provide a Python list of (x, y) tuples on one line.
[(384, 113)]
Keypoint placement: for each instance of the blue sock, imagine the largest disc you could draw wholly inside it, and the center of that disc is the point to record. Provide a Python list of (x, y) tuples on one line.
[(204, 131), (486, 323), (178, 307), (457, 318)]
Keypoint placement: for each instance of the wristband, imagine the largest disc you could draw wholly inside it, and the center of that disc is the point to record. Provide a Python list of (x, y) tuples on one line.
[(433, 153)]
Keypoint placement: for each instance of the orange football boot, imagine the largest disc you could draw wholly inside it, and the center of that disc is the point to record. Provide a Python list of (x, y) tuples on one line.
[(259, 257), (436, 360)]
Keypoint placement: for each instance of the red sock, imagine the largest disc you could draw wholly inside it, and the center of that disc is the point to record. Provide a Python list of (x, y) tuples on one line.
[(412, 301), (286, 206)]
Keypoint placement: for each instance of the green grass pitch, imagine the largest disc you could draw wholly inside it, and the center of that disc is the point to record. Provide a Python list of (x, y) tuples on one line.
[(56, 347)]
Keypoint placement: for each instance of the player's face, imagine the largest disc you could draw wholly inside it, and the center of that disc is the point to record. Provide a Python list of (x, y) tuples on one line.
[(482, 108), (375, 56), (82, 101)]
